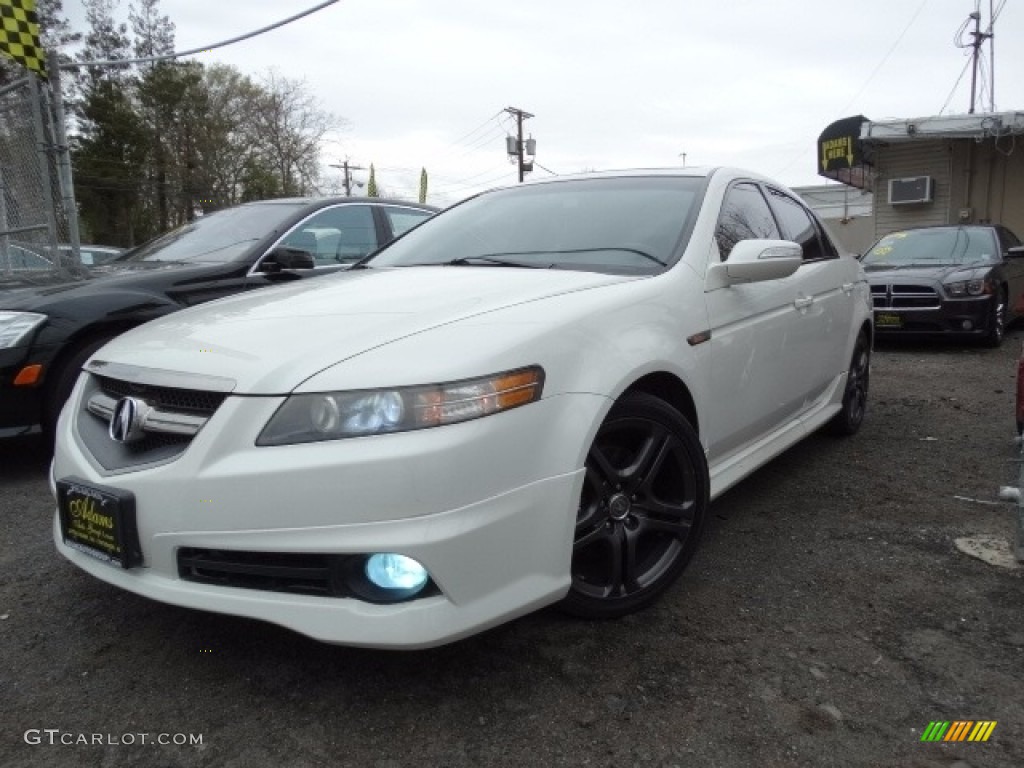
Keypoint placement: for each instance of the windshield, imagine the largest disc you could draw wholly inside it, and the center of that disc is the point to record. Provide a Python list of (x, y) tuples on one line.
[(220, 237), (615, 225), (945, 246)]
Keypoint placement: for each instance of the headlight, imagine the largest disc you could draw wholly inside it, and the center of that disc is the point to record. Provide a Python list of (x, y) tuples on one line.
[(15, 326), (967, 287), (335, 415)]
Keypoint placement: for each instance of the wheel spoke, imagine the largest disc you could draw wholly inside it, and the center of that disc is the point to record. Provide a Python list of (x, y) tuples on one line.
[(651, 506), (629, 576), (677, 528), (591, 536), (616, 553), (593, 511), (651, 457), (602, 466)]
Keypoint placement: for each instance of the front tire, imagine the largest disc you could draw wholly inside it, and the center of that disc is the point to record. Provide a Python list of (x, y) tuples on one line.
[(642, 509), (62, 381), (997, 321)]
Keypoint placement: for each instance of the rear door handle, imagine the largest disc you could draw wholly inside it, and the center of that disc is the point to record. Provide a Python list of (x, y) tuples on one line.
[(847, 288), (803, 303)]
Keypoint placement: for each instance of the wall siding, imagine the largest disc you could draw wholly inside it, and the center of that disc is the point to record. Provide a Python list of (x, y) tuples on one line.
[(918, 158), (988, 182)]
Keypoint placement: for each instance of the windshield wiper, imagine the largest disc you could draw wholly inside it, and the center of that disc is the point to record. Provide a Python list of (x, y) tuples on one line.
[(637, 251), (493, 261), (496, 260)]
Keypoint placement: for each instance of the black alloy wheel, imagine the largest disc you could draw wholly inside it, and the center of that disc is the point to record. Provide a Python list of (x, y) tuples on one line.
[(855, 397), (997, 320), (642, 509)]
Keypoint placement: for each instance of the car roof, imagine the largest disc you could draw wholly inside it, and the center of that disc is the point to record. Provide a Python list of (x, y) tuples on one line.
[(696, 171), (932, 227), (321, 202)]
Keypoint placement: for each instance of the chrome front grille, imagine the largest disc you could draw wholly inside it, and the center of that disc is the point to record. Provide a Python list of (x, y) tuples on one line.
[(171, 397), (163, 421), (904, 296)]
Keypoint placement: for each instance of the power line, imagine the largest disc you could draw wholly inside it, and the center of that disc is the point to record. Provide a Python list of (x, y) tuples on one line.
[(164, 57), (885, 58), (482, 125), (955, 86), (201, 49), (974, 57), (867, 82)]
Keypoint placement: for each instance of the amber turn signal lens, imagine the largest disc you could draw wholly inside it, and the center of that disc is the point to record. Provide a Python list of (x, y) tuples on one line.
[(517, 388), (28, 375)]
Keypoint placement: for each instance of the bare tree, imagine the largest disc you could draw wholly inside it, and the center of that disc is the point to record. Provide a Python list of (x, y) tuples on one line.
[(290, 127)]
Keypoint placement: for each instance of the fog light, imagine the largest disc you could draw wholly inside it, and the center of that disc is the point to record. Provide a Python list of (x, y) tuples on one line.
[(399, 575), (968, 325)]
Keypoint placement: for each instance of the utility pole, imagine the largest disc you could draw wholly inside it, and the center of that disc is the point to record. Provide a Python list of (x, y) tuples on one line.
[(530, 145), (991, 58), (347, 169), (979, 38)]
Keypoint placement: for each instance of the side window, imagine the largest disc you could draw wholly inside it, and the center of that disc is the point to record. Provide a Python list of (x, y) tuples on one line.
[(797, 225), (1009, 239), (745, 216), (338, 235), (401, 220)]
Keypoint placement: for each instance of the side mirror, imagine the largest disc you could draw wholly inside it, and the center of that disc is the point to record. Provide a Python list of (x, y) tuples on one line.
[(1016, 252), (284, 257), (753, 261)]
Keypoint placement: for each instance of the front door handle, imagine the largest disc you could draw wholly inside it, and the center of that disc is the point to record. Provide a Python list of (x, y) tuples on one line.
[(803, 303), (847, 288)]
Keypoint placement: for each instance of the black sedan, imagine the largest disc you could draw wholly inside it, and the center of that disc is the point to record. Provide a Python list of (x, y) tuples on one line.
[(962, 281), (51, 324)]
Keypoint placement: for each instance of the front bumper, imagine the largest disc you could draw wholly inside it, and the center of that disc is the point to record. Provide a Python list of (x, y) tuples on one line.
[(969, 317), (487, 506), (20, 407)]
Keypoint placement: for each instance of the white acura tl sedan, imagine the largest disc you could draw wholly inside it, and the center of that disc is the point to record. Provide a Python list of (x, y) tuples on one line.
[(528, 399)]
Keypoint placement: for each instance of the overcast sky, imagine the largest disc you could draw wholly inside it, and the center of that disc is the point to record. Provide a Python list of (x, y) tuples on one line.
[(612, 84)]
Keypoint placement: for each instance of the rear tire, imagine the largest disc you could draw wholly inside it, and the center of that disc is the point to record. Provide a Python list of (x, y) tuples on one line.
[(855, 398), (642, 509)]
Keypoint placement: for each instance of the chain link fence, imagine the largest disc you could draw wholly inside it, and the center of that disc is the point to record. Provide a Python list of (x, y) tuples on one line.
[(33, 221)]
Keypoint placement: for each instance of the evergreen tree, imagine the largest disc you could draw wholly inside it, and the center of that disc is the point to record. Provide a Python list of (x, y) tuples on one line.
[(371, 185), (153, 32), (109, 149)]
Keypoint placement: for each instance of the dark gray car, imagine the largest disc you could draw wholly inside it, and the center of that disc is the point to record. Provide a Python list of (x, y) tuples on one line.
[(962, 281)]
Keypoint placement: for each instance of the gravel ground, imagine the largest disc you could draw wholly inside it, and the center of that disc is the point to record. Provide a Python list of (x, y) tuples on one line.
[(825, 621)]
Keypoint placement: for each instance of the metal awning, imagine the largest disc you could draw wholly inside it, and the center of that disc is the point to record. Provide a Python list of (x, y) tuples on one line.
[(841, 153)]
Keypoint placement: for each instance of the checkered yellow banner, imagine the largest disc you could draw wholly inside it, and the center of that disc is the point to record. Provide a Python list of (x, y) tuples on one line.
[(19, 34)]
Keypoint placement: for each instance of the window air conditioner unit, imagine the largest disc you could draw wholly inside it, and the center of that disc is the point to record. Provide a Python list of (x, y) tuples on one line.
[(916, 189)]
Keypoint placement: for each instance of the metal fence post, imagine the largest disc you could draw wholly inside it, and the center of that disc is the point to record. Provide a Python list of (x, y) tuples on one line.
[(5, 259), (1019, 537), (42, 145), (67, 186)]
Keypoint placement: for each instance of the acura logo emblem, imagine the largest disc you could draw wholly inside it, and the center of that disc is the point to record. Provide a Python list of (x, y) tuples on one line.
[(126, 421)]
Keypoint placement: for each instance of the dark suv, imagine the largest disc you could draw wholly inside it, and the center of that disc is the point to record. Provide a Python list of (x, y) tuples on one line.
[(51, 323)]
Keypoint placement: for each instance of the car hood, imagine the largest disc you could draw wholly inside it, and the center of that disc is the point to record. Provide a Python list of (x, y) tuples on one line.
[(879, 273), (270, 341), (33, 290)]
